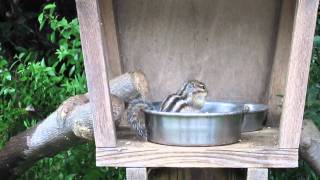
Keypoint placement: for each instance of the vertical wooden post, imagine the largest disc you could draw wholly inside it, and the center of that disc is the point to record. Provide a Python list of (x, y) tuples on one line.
[(137, 173), (280, 63), (297, 77), (257, 174), (108, 21), (96, 62)]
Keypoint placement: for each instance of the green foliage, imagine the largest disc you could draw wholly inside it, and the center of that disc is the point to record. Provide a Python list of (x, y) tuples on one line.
[(304, 172), (312, 107), (76, 163), (35, 82), (45, 72)]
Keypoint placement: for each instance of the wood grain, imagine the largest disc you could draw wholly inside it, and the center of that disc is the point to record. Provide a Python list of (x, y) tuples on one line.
[(136, 174), (197, 174), (96, 61), (227, 44), (129, 85), (280, 63), (297, 78), (111, 41), (257, 149), (257, 174)]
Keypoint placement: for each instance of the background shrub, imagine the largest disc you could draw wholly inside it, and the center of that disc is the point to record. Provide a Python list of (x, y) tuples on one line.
[(35, 81), (41, 64)]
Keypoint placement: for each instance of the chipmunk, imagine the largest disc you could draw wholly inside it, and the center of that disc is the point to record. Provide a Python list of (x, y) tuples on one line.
[(190, 98)]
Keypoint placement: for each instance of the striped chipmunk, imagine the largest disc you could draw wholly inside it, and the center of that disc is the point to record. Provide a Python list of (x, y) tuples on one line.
[(190, 98)]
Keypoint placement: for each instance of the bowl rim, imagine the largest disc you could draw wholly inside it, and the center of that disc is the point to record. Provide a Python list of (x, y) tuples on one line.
[(256, 107), (253, 108), (206, 114)]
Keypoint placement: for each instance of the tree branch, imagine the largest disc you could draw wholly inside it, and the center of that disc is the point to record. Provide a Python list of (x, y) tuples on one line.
[(310, 145), (69, 125)]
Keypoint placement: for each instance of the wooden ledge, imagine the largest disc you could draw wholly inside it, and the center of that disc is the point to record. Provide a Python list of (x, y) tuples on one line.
[(256, 149)]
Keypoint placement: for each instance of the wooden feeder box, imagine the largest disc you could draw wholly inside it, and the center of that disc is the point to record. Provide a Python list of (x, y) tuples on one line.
[(249, 51)]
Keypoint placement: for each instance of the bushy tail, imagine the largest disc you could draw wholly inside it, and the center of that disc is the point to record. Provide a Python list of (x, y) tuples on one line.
[(134, 111)]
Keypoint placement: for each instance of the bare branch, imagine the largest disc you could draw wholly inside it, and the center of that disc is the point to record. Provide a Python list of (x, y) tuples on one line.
[(310, 145), (69, 125)]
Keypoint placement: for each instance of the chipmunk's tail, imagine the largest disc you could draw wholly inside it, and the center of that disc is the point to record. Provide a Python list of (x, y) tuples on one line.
[(134, 114)]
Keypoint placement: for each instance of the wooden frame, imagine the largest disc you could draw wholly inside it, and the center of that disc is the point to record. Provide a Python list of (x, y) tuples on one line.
[(275, 148), (96, 64), (297, 77), (137, 174), (257, 149), (257, 174)]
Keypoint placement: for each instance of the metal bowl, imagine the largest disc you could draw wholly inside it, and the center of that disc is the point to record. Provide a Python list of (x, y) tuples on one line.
[(253, 120), (218, 124)]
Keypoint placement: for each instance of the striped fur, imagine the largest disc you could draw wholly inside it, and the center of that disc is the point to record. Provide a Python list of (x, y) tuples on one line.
[(168, 104), (134, 111), (182, 98)]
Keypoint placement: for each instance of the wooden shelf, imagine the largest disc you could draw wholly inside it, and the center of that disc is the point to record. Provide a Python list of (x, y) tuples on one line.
[(256, 149)]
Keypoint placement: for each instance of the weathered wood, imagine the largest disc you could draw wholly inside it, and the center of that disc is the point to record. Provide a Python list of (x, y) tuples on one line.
[(297, 78), (96, 61), (226, 44), (136, 174), (257, 174), (280, 63), (110, 32), (257, 149), (197, 174), (69, 125), (133, 82)]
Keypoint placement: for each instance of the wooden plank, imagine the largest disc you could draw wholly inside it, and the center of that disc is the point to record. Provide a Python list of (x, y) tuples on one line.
[(227, 44), (197, 174), (257, 149), (96, 60), (111, 41), (280, 63), (136, 174), (257, 174), (108, 21), (297, 78)]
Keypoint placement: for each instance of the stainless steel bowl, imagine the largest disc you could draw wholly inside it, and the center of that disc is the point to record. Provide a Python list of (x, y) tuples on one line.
[(218, 124), (253, 120)]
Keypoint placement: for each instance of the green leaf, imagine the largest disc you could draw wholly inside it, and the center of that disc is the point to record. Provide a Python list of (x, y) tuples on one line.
[(50, 6), (70, 176), (43, 63), (63, 68), (7, 76), (6, 91), (3, 63), (72, 70), (41, 21), (53, 37), (40, 18), (51, 72), (63, 22), (25, 124)]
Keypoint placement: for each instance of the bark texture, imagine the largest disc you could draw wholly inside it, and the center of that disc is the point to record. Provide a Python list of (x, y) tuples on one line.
[(69, 125), (310, 145)]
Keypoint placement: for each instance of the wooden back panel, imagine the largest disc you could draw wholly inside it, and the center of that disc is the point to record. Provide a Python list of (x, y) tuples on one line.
[(227, 44)]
